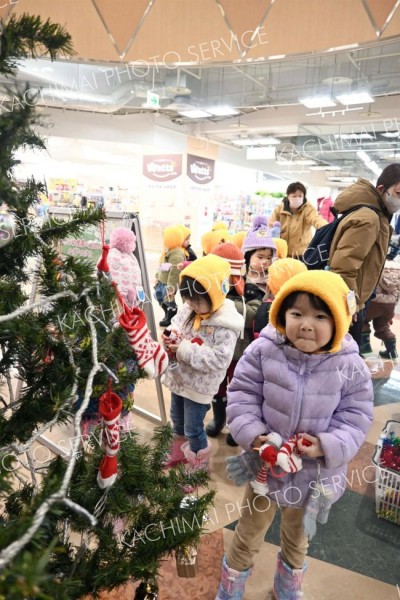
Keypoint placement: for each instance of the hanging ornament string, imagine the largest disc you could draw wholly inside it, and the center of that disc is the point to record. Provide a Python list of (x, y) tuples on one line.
[(102, 265)]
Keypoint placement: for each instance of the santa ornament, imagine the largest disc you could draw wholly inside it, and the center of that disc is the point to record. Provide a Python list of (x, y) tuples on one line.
[(269, 454), (276, 453)]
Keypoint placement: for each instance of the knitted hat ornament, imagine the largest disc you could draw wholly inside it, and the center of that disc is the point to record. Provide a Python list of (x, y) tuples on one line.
[(123, 266), (328, 286), (236, 260), (259, 237), (281, 271)]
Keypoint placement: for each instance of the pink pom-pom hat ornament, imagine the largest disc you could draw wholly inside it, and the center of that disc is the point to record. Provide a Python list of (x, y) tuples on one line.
[(123, 239)]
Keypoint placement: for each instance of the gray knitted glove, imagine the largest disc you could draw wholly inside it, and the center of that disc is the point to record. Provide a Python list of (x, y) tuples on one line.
[(244, 467)]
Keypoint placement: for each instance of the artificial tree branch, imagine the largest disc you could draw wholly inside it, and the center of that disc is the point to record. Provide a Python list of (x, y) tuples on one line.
[(61, 495)]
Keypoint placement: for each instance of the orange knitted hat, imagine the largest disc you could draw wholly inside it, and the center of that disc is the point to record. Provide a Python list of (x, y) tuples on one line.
[(236, 259)]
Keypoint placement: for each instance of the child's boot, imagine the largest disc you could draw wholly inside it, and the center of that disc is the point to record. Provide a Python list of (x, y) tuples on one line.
[(218, 423), (176, 455), (169, 314), (197, 460), (390, 351), (288, 582), (365, 347), (165, 308), (232, 583)]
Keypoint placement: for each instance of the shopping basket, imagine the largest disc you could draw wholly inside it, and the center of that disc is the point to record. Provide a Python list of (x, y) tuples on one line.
[(387, 481)]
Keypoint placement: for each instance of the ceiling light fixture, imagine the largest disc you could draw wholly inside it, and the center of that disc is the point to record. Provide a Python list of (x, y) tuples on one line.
[(265, 153), (194, 113), (317, 101), (223, 111), (391, 134), (259, 141), (355, 98)]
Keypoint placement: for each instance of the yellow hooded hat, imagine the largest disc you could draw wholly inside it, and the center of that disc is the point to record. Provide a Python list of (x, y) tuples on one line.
[(326, 285), (212, 238), (173, 237), (281, 271), (281, 247), (212, 272)]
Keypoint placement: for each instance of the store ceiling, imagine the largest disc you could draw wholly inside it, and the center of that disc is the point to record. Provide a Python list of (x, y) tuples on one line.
[(265, 93)]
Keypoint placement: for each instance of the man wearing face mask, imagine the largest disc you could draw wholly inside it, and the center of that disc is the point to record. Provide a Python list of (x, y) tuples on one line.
[(297, 217), (360, 244)]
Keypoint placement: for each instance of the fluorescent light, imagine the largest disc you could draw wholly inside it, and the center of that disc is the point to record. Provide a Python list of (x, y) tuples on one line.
[(223, 111), (364, 156), (194, 113), (351, 136), (259, 141), (269, 140), (266, 153), (355, 98), (374, 167), (276, 56), (391, 134), (244, 142), (317, 101)]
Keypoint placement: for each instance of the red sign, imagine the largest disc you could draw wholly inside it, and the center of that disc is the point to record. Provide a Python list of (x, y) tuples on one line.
[(200, 170), (162, 167)]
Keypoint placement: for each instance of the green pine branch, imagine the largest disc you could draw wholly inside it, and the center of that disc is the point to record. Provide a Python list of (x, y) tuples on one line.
[(29, 37)]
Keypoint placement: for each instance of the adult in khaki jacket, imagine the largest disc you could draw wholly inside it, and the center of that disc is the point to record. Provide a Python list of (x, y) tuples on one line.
[(297, 216), (359, 247)]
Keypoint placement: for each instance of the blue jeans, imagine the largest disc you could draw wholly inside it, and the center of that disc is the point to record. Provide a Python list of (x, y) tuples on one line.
[(160, 291), (187, 419)]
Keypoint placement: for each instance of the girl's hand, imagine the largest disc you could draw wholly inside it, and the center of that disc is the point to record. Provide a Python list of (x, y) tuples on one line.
[(173, 348), (259, 441), (313, 449)]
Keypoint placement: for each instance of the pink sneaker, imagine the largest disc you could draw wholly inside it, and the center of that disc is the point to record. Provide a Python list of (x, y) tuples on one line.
[(176, 455)]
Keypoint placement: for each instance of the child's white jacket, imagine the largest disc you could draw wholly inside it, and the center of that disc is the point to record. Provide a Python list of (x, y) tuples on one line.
[(202, 367)]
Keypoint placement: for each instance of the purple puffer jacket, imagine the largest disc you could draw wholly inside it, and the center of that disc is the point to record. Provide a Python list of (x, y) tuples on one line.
[(278, 388)]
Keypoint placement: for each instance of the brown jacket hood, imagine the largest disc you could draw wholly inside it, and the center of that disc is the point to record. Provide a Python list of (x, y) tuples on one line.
[(359, 246), (361, 192)]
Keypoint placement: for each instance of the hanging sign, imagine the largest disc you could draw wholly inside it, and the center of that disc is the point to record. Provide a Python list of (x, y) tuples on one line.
[(162, 167), (200, 170)]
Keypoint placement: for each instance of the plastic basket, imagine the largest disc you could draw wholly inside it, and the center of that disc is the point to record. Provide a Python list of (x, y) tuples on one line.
[(387, 481)]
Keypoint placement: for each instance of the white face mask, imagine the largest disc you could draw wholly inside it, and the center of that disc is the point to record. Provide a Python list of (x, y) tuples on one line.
[(392, 202), (295, 203)]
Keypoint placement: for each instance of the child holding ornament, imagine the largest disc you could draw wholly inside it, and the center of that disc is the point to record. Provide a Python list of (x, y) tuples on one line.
[(208, 326), (304, 380)]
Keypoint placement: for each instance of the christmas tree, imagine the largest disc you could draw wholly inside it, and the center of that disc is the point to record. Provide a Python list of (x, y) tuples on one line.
[(65, 531)]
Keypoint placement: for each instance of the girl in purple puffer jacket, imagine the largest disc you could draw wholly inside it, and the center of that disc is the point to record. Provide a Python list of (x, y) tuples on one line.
[(302, 376)]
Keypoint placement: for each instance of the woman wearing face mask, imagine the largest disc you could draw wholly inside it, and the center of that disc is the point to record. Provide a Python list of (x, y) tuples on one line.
[(297, 217), (359, 247)]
